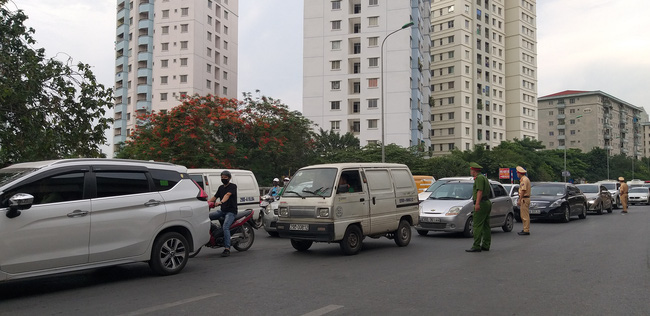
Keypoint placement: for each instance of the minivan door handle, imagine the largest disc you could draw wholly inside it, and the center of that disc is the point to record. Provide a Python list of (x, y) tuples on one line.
[(77, 213), (361, 199), (373, 200), (152, 203)]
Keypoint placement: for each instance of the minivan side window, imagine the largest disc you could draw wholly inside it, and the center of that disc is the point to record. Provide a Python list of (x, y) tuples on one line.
[(402, 178), (378, 180), (111, 183), (353, 179), (164, 180), (53, 189)]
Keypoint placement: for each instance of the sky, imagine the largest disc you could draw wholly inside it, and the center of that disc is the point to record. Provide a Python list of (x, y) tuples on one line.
[(582, 44)]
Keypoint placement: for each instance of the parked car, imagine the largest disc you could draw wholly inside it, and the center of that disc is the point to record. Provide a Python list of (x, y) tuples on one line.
[(639, 195), (513, 192), (73, 214), (555, 200), (449, 208), (424, 195), (598, 198), (612, 186)]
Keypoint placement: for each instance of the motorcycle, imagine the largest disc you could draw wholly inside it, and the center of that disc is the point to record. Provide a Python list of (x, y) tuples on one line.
[(242, 234)]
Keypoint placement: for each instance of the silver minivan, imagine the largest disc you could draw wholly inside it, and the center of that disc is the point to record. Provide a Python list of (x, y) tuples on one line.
[(72, 214), (346, 202)]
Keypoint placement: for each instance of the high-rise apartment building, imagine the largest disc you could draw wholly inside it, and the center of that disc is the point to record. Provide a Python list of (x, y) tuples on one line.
[(168, 48), (483, 73), (343, 67), (588, 119)]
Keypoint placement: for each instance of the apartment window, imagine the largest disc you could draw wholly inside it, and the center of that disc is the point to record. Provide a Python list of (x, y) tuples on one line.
[(373, 21), (372, 123), (336, 5), (209, 51), (208, 68), (336, 45), (336, 25), (164, 63), (225, 75), (165, 29), (184, 44), (163, 79), (467, 131), (372, 82), (336, 85), (373, 2), (225, 30), (165, 47), (185, 28), (373, 41), (185, 11), (451, 115), (225, 60), (225, 45), (335, 105), (163, 97), (450, 131), (209, 20), (209, 36), (225, 90), (209, 4), (336, 65), (183, 61), (373, 62), (225, 15), (372, 103), (336, 125), (183, 78), (165, 13)]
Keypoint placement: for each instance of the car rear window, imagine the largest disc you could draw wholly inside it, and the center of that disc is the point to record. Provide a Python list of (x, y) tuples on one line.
[(115, 183), (164, 180)]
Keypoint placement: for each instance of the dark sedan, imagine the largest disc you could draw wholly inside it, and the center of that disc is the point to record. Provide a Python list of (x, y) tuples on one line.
[(556, 200)]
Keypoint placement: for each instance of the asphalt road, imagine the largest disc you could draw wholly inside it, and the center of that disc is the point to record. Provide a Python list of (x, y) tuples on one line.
[(596, 266)]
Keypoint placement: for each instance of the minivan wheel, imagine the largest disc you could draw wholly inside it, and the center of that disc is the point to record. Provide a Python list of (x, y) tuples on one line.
[(403, 233), (351, 243), (301, 245), (469, 228), (423, 232), (169, 254), (509, 224)]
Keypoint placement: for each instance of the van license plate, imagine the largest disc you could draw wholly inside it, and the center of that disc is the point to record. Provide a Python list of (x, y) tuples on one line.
[(302, 227)]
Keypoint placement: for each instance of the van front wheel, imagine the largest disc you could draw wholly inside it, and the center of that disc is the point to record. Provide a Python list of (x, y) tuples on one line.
[(403, 233), (351, 243), (301, 245)]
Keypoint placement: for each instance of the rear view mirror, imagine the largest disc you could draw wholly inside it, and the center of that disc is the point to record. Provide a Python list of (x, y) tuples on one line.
[(19, 201)]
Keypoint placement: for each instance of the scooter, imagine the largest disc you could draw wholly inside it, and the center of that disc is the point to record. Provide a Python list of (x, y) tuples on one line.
[(242, 234)]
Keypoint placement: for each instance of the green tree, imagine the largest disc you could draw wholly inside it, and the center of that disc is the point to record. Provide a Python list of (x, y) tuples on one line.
[(329, 146), (48, 109)]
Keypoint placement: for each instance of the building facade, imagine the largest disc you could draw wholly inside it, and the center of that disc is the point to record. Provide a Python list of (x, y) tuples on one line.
[(483, 73), (588, 119), (344, 75), (169, 48)]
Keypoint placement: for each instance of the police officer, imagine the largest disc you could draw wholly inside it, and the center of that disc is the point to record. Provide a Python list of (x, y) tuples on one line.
[(482, 209), (622, 192), (524, 200)]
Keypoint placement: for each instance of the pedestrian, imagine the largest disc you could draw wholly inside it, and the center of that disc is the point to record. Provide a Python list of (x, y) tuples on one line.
[(482, 209), (227, 195), (622, 192), (524, 200)]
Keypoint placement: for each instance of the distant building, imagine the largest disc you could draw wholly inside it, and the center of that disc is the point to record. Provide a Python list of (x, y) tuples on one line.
[(483, 73), (588, 119), (342, 76), (168, 48)]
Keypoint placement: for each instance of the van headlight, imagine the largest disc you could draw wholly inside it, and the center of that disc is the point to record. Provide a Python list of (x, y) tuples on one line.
[(454, 211), (323, 212), (284, 212)]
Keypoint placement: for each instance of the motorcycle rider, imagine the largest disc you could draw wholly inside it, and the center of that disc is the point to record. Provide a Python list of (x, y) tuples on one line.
[(276, 187), (227, 195), (286, 182)]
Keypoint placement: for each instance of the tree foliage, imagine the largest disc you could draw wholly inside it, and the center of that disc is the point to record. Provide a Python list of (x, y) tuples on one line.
[(48, 109)]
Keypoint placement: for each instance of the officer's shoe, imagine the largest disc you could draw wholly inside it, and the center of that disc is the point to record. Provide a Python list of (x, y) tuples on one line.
[(523, 233), (474, 250)]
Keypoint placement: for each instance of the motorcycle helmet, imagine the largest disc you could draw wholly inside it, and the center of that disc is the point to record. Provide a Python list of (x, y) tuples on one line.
[(226, 173), (276, 180)]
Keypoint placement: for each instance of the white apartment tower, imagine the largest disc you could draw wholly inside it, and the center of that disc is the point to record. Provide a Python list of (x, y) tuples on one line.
[(168, 48), (483, 73), (343, 66)]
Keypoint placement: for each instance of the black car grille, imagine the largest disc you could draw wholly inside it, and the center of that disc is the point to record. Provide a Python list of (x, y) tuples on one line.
[(433, 225)]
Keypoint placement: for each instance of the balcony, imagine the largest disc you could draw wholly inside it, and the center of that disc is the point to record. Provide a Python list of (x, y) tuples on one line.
[(561, 147), (121, 14), (145, 7), (144, 56), (560, 137), (145, 24), (119, 92), (561, 116), (123, 29), (561, 126), (561, 105), (145, 40), (144, 88), (608, 126), (607, 136), (143, 105), (120, 75), (145, 72), (608, 147)]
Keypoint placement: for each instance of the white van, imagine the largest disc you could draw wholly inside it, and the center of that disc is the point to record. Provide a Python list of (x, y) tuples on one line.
[(378, 200), (248, 191)]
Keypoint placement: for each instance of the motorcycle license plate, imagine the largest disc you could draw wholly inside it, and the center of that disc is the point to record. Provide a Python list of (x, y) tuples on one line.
[(302, 227)]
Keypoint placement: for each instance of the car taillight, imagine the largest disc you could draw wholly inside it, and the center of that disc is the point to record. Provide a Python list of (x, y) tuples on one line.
[(202, 195)]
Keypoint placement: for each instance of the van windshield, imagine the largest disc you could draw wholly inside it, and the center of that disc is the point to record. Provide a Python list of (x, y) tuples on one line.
[(312, 182)]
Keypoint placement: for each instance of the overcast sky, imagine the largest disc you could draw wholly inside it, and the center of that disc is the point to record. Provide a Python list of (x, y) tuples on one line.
[(582, 44)]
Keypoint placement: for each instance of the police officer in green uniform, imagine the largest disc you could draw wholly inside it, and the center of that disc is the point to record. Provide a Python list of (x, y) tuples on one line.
[(482, 209)]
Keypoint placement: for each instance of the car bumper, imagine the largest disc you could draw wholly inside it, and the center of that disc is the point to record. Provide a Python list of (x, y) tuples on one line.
[(634, 200), (442, 223), (546, 213), (270, 222)]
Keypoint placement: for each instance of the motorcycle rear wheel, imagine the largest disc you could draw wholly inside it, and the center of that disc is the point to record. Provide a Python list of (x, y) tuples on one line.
[(246, 243)]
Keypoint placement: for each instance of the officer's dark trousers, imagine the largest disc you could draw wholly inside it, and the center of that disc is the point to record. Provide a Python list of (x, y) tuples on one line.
[(482, 232)]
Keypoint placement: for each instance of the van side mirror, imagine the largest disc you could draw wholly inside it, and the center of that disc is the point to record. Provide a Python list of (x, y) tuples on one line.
[(19, 201)]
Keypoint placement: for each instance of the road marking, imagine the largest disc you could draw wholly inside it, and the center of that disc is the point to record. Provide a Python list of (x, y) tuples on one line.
[(324, 310), (169, 305)]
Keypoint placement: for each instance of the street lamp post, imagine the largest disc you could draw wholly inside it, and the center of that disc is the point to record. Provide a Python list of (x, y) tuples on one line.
[(383, 124)]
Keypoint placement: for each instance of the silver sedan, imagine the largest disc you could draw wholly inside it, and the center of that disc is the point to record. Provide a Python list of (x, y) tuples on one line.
[(449, 208)]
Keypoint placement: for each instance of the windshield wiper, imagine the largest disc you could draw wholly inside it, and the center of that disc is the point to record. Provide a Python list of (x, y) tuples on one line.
[(298, 194)]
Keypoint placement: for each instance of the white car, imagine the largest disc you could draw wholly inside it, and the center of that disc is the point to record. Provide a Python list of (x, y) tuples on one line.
[(639, 195), (73, 214)]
